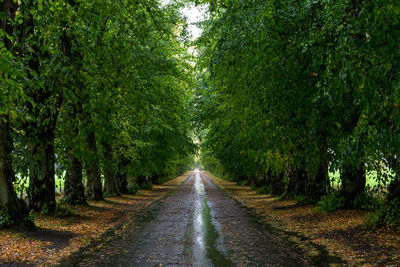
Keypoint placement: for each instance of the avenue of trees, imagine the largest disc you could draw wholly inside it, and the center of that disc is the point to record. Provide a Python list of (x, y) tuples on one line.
[(95, 89), (292, 91)]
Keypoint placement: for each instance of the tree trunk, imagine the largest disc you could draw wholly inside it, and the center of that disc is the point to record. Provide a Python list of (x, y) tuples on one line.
[(353, 182), (297, 182), (352, 174), (318, 179), (9, 202), (275, 182), (393, 190), (94, 187), (41, 127), (394, 186), (142, 180), (41, 192), (110, 177), (123, 183), (73, 187)]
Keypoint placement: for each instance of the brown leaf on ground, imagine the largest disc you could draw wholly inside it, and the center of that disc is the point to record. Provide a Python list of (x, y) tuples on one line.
[(342, 232), (57, 237)]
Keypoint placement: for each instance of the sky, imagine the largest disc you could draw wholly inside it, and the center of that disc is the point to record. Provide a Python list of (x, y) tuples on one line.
[(194, 14)]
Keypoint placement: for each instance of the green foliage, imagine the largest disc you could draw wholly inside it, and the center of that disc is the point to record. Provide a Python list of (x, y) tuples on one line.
[(304, 199), (48, 208), (391, 213), (331, 202), (76, 201), (302, 89), (5, 219), (117, 69), (374, 219), (284, 196), (133, 188), (58, 210), (243, 183), (145, 186), (295, 89), (366, 201), (31, 217), (263, 190), (62, 211), (388, 214)]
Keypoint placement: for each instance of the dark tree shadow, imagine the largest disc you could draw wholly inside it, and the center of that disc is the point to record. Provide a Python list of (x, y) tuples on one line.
[(261, 197), (58, 239), (113, 202), (357, 238), (101, 209), (289, 207)]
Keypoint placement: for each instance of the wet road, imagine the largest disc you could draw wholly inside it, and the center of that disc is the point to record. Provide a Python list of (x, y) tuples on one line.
[(197, 225)]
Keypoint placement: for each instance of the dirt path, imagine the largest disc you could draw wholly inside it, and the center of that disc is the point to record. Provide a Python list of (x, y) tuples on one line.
[(196, 225)]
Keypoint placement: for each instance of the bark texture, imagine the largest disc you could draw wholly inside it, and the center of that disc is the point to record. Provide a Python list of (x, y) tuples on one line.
[(110, 177), (317, 180), (9, 202), (275, 182), (40, 129), (73, 186), (123, 185), (394, 186), (94, 187), (41, 190), (353, 182), (74, 192), (297, 182)]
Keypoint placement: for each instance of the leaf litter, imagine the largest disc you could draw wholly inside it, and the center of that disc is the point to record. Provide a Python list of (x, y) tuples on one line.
[(342, 233), (58, 237)]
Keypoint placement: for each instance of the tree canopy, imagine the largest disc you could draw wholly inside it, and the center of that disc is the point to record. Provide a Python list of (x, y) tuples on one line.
[(291, 92), (300, 98), (96, 85)]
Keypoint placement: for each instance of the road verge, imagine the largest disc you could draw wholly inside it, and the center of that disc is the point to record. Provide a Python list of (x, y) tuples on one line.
[(58, 237), (324, 237)]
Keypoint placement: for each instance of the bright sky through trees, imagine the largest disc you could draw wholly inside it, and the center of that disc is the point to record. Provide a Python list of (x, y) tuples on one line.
[(194, 14)]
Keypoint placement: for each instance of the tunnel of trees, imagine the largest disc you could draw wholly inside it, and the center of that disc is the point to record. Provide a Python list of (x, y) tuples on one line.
[(291, 92), (284, 95), (93, 90)]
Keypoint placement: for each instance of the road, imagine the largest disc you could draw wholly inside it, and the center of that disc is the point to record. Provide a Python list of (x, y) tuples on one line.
[(196, 225)]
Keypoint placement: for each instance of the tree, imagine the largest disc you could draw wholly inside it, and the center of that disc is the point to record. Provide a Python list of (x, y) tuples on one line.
[(289, 91), (9, 202)]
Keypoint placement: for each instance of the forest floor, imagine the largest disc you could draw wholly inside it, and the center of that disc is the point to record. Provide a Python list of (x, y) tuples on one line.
[(58, 237), (321, 234)]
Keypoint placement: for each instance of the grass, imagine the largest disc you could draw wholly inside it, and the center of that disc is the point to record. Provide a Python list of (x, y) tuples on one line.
[(59, 181), (371, 179)]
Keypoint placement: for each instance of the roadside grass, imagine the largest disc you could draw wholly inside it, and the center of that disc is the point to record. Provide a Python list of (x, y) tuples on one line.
[(372, 180), (22, 184)]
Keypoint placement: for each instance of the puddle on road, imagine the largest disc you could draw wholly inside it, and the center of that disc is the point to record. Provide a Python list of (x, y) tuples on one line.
[(207, 248)]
